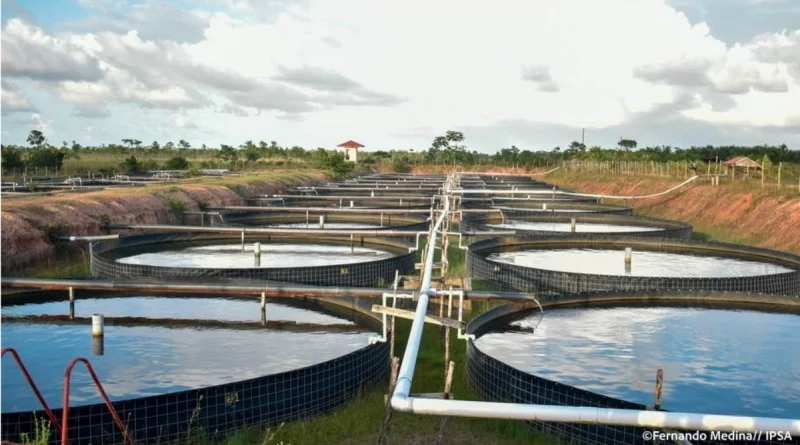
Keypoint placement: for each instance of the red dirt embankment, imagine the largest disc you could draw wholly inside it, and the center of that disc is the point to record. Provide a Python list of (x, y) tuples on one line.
[(29, 225), (739, 213)]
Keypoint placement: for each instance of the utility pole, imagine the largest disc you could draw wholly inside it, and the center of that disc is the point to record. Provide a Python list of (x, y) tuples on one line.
[(583, 134)]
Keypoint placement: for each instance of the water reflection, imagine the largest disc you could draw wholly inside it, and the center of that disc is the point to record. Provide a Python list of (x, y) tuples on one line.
[(272, 255), (140, 361), (643, 264), (714, 361)]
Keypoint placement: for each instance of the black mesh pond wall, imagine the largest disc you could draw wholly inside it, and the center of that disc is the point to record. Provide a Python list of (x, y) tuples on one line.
[(528, 279), (407, 202), (373, 273), (204, 414), (497, 381), (523, 201), (661, 228), (381, 191), (415, 222)]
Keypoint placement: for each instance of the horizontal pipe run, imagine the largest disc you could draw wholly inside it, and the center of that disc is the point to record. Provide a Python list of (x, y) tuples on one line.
[(389, 211), (378, 188), (351, 198), (277, 231), (277, 325), (214, 287), (591, 415), (264, 230), (88, 237)]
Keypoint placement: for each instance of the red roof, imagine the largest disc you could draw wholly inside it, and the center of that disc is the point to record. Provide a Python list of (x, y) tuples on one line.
[(350, 144)]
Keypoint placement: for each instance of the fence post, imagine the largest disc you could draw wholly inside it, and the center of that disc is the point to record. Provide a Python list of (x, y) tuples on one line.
[(780, 167)]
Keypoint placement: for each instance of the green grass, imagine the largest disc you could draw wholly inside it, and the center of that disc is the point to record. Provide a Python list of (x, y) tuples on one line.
[(65, 268)]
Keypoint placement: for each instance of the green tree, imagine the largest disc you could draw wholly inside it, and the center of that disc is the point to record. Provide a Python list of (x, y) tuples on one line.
[(132, 166), (184, 144), (46, 157), (11, 158), (333, 163), (36, 138)]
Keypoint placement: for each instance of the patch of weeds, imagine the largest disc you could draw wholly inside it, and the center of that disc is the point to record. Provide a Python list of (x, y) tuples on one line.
[(41, 433), (104, 217), (702, 236), (173, 189), (53, 231), (176, 205), (196, 435)]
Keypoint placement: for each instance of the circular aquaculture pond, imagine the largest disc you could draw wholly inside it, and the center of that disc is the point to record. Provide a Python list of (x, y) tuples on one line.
[(715, 360), (643, 263), (273, 254), (591, 262), (157, 345)]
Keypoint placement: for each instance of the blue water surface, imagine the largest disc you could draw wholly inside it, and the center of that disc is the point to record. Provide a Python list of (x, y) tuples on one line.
[(143, 360), (714, 360)]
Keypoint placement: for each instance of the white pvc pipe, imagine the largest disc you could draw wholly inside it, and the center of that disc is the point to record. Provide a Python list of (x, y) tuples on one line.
[(406, 372), (574, 414), (604, 416), (97, 325)]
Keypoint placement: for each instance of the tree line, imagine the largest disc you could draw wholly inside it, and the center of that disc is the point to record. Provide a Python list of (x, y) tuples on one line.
[(448, 149)]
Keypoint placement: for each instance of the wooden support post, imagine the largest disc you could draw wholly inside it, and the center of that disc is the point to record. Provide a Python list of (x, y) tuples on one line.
[(447, 384), (383, 439), (659, 387), (780, 167)]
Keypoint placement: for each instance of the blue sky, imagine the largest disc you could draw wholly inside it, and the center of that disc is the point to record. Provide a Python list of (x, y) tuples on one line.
[(314, 73)]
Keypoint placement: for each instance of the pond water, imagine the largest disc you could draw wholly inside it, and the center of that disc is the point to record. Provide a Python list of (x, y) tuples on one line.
[(643, 263), (714, 360), (227, 256), (139, 361)]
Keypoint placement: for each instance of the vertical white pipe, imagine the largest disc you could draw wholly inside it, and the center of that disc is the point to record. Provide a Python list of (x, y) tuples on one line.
[(97, 325), (628, 255), (321, 221), (572, 225)]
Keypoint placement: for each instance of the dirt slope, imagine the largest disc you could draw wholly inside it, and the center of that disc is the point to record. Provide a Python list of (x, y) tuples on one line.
[(730, 213), (29, 225)]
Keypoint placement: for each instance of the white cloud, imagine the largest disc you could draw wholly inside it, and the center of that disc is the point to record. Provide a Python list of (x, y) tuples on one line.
[(30, 52), (13, 100), (318, 71)]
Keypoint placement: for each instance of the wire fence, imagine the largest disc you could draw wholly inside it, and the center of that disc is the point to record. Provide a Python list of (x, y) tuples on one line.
[(104, 256), (499, 382), (506, 276), (752, 174)]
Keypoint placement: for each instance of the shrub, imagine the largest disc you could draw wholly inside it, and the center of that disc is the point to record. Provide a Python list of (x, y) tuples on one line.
[(401, 166), (177, 163)]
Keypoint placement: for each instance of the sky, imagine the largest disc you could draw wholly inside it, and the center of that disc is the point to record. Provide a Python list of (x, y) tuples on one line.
[(394, 75)]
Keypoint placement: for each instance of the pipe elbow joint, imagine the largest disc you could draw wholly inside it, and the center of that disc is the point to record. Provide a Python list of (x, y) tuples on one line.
[(402, 403)]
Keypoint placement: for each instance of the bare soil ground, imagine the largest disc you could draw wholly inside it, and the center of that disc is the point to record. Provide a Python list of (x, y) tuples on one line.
[(31, 225), (738, 213)]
